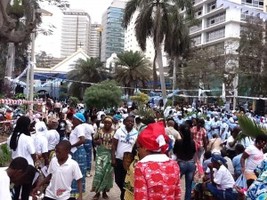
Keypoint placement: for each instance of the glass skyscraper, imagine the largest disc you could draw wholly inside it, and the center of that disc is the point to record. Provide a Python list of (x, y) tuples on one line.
[(112, 30)]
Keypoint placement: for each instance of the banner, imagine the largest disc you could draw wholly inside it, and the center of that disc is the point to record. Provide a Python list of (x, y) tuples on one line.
[(19, 102)]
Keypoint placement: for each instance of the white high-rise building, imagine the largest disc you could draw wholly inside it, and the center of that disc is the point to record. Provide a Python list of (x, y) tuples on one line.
[(220, 24), (131, 43), (94, 45), (75, 32), (222, 20)]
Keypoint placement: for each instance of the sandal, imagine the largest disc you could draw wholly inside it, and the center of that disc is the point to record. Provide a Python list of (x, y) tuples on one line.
[(96, 197), (105, 196)]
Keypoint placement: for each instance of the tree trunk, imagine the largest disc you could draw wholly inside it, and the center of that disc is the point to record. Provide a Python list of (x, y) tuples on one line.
[(10, 63), (158, 49), (155, 76), (175, 65), (161, 74)]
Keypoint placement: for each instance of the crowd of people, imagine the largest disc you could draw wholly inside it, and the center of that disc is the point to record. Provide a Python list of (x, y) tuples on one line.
[(52, 155)]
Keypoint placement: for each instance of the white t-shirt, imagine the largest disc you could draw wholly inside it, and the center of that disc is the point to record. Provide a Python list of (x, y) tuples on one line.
[(229, 140), (40, 143), (4, 184), (88, 131), (52, 138), (62, 176), (223, 178), (254, 159), (75, 135), (126, 141), (25, 148)]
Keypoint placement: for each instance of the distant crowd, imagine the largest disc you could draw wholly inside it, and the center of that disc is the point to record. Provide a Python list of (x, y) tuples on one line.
[(53, 150)]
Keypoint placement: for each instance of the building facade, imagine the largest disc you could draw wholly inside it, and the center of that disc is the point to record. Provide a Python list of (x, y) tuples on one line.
[(94, 44), (75, 32), (112, 30), (221, 20)]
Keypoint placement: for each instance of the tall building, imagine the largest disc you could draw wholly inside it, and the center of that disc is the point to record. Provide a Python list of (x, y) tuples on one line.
[(94, 44), (221, 20), (75, 32), (131, 43), (112, 30)]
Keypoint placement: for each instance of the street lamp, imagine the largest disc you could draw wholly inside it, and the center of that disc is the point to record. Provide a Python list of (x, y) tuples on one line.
[(30, 72)]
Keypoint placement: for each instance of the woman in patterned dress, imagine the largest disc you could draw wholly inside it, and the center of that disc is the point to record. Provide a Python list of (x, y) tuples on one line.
[(258, 189), (103, 180), (156, 175)]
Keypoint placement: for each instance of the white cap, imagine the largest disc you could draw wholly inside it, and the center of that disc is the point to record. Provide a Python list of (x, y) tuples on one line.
[(40, 127)]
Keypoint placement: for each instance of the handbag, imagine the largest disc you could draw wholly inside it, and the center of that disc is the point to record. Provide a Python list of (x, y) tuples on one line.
[(241, 182)]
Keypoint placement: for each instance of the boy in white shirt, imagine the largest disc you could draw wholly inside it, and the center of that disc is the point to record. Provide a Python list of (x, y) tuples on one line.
[(62, 170)]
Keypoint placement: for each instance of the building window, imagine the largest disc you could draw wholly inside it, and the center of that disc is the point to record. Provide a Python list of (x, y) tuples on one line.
[(193, 29), (196, 40), (214, 35), (254, 3), (198, 12), (216, 19), (211, 6)]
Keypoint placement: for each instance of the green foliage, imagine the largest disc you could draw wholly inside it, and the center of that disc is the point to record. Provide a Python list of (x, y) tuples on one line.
[(19, 96), (17, 9), (140, 98), (133, 69), (73, 101), (90, 70), (145, 113), (249, 128), (103, 95), (5, 155), (253, 58)]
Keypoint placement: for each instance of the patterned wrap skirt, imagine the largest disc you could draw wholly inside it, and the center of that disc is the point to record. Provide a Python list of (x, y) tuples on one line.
[(80, 157)]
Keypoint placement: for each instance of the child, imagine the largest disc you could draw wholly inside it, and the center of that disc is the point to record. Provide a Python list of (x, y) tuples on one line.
[(13, 174), (62, 170)]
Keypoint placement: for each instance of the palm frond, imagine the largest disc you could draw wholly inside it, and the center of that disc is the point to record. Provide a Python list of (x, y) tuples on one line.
[(130, 8), (249, 128), (143, 26)]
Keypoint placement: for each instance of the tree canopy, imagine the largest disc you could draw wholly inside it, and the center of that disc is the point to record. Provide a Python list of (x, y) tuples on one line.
[(153, 20), (103, 95), (89, 70), (132, 70)]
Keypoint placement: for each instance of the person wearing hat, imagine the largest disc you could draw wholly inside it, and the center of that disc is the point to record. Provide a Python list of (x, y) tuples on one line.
[(77, 140), (52, 135), (221, 180), (41, 144), (156, 175)]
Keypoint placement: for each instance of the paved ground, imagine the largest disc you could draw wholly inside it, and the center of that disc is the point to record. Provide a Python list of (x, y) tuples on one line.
[(113, 194)]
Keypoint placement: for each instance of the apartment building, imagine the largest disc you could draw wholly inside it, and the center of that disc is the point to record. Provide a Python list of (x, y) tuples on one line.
[(75, 32)]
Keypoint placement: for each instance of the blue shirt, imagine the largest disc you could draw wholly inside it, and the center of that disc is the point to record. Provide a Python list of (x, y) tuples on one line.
[(237, 164)]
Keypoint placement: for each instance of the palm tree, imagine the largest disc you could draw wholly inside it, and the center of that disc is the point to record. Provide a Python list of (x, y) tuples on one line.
[(90, 70), (132, 70), (177, 42), (153, 20)]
